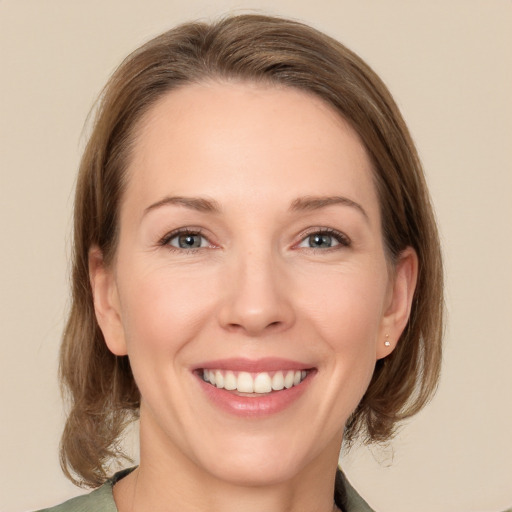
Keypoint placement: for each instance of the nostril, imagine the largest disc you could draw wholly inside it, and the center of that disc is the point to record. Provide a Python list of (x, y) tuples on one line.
[(254, 328), (255, 314)]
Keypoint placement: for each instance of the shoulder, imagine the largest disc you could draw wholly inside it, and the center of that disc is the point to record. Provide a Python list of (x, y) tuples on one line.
[(99, 500), (347, 498)]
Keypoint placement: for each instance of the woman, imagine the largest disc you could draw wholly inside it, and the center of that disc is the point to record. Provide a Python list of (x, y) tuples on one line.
[(257, 273)]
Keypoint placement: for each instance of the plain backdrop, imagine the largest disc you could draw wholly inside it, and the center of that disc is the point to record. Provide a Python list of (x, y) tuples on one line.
[(448, 64)]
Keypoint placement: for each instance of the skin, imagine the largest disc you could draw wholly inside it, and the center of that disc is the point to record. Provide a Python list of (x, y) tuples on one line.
[(255, 288)]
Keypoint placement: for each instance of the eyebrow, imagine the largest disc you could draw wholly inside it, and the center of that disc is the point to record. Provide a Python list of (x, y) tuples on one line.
[(308, 203), (305, 203), (199, 204)]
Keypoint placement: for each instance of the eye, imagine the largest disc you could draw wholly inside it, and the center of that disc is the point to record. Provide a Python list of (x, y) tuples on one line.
[(186, 240), (324, 239)]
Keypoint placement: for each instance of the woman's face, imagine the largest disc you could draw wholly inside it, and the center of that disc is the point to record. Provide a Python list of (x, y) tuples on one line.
[(250, 255)]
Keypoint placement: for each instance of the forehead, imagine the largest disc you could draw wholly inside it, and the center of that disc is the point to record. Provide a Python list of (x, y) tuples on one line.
[(220, 139)]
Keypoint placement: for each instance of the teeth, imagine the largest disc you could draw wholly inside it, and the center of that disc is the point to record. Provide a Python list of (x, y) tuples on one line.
[(219, 379), (245, 383), (260, 383), (230, 381), (288, 380), (278, 381)]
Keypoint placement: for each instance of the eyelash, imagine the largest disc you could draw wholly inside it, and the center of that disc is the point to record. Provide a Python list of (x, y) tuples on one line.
[(165, 240), (342, 239)]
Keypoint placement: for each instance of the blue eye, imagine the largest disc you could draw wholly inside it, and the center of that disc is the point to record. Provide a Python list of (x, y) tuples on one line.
[(321, 241), (186, 240), (324, 239)]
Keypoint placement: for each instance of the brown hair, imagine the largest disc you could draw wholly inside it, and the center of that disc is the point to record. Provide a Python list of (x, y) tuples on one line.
[(102, 393)]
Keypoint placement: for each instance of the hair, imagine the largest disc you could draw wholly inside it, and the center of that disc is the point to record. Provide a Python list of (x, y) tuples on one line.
[(102, 394)]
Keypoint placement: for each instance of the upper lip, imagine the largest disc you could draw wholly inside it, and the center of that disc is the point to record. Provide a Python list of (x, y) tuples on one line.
[(240, 364)]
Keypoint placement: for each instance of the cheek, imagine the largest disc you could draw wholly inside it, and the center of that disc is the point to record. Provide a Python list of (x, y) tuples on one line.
[(346, 310), (350, 303), (163, 309)]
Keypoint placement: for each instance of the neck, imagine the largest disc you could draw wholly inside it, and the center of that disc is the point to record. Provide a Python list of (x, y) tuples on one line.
[(158, 492)]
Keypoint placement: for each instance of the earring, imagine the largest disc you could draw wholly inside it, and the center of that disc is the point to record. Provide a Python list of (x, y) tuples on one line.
[(387, 343)]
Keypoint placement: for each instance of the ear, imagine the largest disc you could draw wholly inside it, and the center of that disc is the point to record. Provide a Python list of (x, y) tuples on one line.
[(399, 302), (106, 302)]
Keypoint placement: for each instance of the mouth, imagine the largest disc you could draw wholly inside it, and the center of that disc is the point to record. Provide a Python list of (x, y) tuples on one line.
[(255, 384), (252, 388)]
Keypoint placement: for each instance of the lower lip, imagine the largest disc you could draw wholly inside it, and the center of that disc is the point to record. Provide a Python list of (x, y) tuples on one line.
[(257, 406)]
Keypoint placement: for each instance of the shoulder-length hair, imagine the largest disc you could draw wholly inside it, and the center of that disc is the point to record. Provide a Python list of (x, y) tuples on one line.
[(99, 385)]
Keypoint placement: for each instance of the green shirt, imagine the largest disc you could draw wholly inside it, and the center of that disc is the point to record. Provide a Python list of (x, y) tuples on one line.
[(102, 499)]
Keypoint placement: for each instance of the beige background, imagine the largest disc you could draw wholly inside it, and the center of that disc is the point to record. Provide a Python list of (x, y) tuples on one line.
[(449, 65)]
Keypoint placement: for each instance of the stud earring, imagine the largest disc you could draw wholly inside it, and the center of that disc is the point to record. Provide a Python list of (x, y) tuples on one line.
[(387, 343)]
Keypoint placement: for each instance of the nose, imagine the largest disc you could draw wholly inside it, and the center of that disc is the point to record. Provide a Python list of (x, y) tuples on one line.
[(257, 298)]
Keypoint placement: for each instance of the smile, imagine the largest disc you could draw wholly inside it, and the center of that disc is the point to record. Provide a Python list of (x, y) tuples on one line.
[(254, 388), (254, 383)]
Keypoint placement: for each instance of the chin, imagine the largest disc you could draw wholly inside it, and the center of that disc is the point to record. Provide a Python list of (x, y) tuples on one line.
[(266, 459), (262, 470)]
